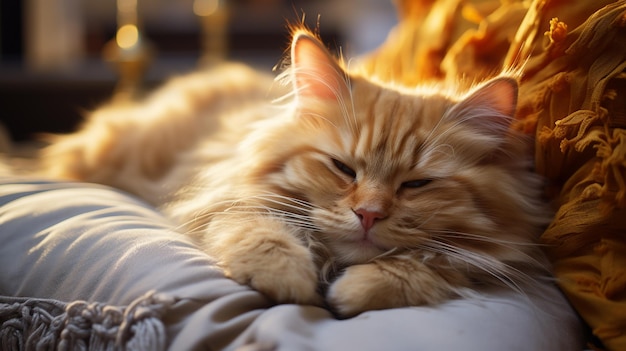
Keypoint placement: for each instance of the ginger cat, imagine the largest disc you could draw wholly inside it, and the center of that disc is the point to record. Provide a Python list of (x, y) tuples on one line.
[(371, 195)]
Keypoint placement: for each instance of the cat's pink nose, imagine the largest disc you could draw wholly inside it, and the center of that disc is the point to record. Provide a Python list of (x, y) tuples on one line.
[(368, 217)]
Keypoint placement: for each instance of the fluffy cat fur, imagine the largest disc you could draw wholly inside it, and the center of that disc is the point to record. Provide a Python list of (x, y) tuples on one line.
[(335, 185)]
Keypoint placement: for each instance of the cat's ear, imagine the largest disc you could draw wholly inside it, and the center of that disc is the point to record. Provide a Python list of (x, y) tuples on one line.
[(491, 106), (315, 72)]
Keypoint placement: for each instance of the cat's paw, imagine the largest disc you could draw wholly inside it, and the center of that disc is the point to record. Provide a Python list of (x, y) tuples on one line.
[(283, 275), (385, 284), (357, 290)]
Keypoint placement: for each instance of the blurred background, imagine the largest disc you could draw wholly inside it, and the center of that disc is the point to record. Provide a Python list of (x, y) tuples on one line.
[(61, 58)]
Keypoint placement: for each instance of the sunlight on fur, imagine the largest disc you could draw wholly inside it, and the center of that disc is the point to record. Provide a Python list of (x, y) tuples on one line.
[(327, 186)]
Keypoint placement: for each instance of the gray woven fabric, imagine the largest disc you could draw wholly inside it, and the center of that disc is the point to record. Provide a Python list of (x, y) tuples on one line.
[(45, 324)]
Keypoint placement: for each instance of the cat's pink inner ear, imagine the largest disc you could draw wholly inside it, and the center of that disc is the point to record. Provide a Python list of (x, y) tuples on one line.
[(498, 96), (316, 72), (501, 95)]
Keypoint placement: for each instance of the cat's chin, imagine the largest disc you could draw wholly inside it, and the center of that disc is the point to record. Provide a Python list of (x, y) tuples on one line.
[(357, 251)]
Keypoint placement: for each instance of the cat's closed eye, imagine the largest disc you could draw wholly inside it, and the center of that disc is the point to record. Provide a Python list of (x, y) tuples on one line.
[(418, 183), (344, 168)]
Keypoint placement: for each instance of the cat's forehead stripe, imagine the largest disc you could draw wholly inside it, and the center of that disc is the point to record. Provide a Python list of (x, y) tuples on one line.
[(388, 130), (366, 126)]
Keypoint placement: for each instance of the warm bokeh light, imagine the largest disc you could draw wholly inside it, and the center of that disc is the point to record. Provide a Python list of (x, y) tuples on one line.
[(205, 7), (127, 36)]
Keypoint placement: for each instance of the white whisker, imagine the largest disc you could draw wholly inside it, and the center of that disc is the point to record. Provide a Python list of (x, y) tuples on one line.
[(291, 211), (513, 246), (470, 236), (272, 196), (506, 274)]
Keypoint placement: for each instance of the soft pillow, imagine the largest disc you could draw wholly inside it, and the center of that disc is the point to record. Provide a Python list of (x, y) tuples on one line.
[(74, 242)]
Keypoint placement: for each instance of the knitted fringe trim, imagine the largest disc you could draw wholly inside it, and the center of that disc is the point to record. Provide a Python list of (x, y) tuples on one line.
[(43, 324)]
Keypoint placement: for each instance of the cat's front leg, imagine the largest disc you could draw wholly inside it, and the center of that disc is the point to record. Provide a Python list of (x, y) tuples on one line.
[(390, 283), (265, 254)]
